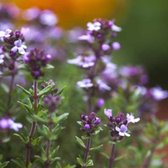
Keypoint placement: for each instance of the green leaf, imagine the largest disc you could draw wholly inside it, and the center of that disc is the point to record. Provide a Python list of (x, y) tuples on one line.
[(4, 164), (120, 157), (80, 142), (38, 119), (45, 130), (96, 148), (20, 163), (70, 166), (5, 88), (27, 107), (49, 66), (45, 90), (27, 92), (89, 163), (79, 122), (60, 118), (36, 141), (80, 161), (21, 137)]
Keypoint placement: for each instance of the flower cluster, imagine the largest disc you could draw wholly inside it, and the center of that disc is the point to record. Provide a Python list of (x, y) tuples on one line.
[(8, 123), (36, 59), (12, 46), (118, 125), (90, 123)]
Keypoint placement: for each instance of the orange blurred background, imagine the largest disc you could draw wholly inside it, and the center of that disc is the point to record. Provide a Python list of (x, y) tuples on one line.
[(76, 12)]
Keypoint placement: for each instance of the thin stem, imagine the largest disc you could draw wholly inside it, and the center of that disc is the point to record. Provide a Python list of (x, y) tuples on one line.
[(33, 127), (88, 145), (112, 156), (148, 159), (48, 145), (47, 162)]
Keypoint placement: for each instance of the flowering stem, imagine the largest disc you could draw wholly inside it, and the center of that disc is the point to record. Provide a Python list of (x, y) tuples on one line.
[(88, 144), (112, 157), (33, 127)]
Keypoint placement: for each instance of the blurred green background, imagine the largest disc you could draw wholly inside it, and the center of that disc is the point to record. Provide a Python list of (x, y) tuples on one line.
[(145, 38)]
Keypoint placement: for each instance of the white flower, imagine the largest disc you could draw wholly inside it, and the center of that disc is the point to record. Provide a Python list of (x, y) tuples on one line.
[(15, 126), (122, 130), (132, 119), (102, 85), (1, 58), (87, 38), (85, 83), (108, 112), (115, 28), (5, 33), (94, 26), (158, 93), (19, 46)]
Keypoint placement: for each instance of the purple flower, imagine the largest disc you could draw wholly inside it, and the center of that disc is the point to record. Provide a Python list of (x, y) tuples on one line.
[(105, 47), (102, 85), (122, 130), (31, 14), (83, 61), (90, 122), (51, 101), (85, 83), (36, 59), (116, 46), (8, 123), (118, 125), (100, 103), (48, 18), (19, 46)]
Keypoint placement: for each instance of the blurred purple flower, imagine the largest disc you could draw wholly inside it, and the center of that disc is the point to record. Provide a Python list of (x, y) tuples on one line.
[(85, 83), (102, 85), (8, 123), (116, 46), (100, 103), (31, 14), (48, 18), (83, 61)]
